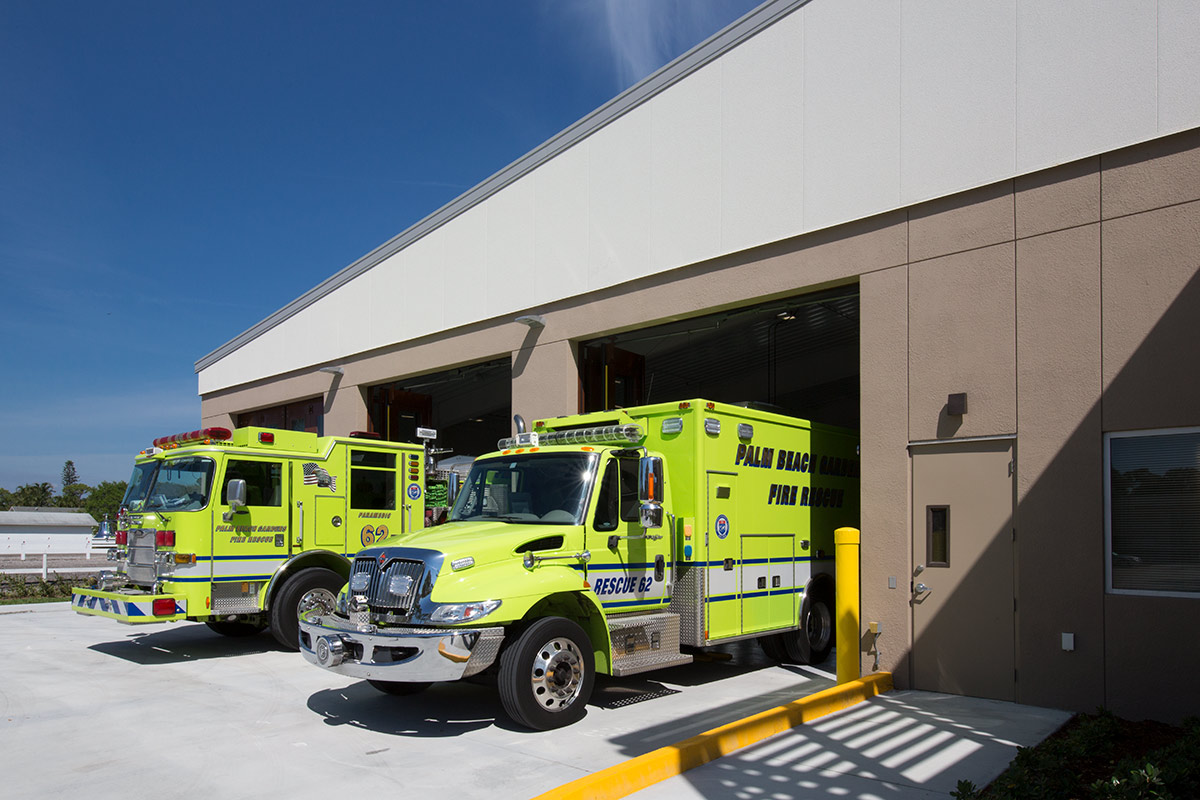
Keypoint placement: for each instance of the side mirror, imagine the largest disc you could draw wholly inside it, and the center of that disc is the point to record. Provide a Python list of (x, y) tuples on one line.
[(235, 498), (453, 486), (650, 479), (651, 490)]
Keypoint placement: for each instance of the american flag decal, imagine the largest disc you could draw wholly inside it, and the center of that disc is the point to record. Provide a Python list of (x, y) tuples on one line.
[(315, 476)]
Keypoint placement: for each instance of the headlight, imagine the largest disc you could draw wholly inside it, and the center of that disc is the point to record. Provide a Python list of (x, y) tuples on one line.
[(343, 602), (463, 612), (359, 582)]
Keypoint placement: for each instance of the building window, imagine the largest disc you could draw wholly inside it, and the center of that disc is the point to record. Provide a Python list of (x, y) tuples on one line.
[(1152, 498), (302, 415)]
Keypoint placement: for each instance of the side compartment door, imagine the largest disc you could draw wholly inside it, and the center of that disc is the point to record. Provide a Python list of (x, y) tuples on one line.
[(767, 582), (324, 483), (247, 550), (723, 617)]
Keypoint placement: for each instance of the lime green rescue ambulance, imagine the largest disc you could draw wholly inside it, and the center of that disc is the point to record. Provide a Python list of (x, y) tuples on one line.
[(241, 529), (605, 542)]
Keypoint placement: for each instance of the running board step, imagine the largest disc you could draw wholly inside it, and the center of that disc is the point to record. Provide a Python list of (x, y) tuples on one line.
[(642, 642)]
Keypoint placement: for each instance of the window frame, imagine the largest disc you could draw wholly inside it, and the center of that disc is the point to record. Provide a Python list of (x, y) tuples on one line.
[(1108, 533), (368, 470)]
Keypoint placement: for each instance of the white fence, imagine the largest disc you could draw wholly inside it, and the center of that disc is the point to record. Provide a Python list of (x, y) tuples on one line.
[(26, 553)]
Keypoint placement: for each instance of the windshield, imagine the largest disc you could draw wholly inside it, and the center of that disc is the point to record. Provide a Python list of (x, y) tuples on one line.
[(182, 484), (550, 488), (139, 485)]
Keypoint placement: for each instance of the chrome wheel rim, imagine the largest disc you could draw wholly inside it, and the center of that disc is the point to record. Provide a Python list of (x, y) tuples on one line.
[(316, 598), (557, 674)]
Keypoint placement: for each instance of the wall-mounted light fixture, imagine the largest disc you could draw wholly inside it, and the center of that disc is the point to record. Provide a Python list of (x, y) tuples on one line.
[(332, 370), (532, 320)]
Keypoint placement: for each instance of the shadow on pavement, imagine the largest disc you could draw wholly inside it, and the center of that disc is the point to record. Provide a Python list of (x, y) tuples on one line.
[(448, 709), (885, 747), (185, 643)]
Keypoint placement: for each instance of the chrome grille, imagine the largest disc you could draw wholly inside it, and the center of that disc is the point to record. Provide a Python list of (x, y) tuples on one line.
[(378, 595), (139, 566)]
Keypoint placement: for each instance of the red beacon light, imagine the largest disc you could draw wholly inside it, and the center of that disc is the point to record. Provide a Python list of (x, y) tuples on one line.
[(202, 435), (266, 437)]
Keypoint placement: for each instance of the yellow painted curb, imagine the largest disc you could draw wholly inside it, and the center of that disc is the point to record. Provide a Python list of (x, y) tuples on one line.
[(650, 768)]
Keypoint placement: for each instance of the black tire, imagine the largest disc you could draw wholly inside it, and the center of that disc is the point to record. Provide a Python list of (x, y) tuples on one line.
[(546, 675), (307, 589), (235, 629), (397, 688), (812, 643), (772, 647)]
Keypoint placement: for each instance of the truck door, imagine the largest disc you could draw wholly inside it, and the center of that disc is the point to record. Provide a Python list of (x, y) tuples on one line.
[(248, 549), (628, 569), (373, 505), (723, 585)]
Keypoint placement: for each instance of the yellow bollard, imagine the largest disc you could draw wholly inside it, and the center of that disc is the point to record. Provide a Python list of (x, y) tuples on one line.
[(846, 541)]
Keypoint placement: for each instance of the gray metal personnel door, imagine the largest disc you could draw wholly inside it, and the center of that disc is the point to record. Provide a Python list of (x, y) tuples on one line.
[(964, 622)]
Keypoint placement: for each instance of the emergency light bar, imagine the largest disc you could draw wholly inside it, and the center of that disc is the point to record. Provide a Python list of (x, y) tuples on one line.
[(204, 434), (605, 434)]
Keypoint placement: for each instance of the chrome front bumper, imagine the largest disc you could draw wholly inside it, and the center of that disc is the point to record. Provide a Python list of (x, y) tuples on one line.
[(407, 655)]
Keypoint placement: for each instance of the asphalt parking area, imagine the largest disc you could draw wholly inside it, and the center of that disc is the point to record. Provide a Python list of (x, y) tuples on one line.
[(88, 705)]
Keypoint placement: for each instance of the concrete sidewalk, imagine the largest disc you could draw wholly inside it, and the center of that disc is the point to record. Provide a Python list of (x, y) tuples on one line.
[(905, 744)]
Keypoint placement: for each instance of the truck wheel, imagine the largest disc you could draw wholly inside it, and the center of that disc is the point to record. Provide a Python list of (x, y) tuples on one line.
[(398, 688), (812, 643), (309, 589), (234, 629), (772, 647), (546, 675)]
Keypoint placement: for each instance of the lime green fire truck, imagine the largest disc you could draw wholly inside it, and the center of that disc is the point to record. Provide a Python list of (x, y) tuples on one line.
[(605, 542), (241, 529)]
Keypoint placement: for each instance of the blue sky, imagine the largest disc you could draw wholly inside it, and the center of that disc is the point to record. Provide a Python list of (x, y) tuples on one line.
[(171, 173)]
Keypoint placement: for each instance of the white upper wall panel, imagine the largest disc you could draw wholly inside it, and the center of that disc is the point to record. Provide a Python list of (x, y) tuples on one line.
[(958, 100), (560, 249), (685, 159), (1178, 64), (620, 184), (763, 137), (851, 109), (800, 116), (510, 240), (1087, 77)]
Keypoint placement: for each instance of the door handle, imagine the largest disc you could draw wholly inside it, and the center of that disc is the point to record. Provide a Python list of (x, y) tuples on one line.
[(921, 588)]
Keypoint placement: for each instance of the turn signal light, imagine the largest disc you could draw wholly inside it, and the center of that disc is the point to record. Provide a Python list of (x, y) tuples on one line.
[(122, 538), (163, 607), (164, 538)]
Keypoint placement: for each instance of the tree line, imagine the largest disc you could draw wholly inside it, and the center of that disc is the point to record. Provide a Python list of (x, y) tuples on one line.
[(99, 500)]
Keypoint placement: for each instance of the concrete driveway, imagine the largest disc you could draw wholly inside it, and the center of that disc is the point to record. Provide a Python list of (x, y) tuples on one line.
[(93, 707)]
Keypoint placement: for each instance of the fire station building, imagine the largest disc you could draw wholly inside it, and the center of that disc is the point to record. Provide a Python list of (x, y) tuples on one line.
[(969, 230)]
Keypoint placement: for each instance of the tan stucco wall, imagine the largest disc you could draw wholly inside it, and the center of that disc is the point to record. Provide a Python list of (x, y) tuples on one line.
[(1063, 303), (885, 540)]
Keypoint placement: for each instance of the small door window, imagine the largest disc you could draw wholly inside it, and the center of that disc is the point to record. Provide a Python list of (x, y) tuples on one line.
[(937, 525)]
